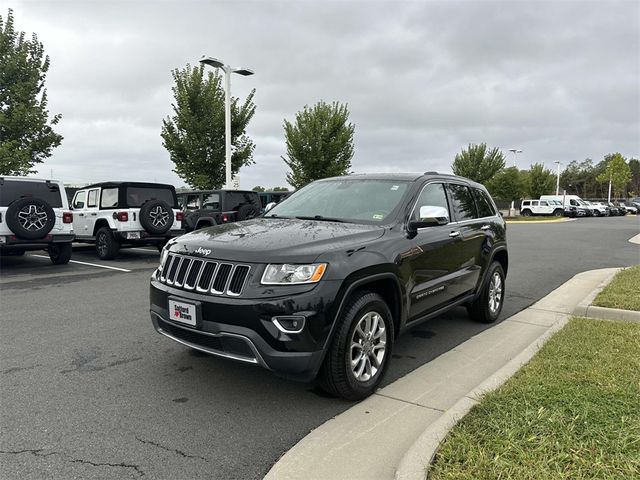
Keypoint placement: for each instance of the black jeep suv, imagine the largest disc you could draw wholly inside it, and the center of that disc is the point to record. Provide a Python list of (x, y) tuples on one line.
[(205, 208), (324, 282)]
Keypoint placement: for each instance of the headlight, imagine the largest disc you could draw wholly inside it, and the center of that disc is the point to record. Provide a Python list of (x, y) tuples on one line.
[(293, 274), (163, 257)]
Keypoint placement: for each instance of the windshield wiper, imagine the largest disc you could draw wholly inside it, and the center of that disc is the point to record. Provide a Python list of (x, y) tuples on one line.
[(320, 217)]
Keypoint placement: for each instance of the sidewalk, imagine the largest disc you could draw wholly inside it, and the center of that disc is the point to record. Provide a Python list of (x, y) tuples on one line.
[(370, 440)]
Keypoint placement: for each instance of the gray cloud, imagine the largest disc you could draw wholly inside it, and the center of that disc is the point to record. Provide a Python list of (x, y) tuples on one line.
[(422, 79)]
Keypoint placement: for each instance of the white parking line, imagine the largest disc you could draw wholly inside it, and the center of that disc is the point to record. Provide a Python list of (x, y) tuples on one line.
[(90, 264)]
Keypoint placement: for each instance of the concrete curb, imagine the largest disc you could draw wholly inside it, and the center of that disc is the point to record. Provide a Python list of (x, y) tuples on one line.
[(586, 309), (415, 464), (524, 222)]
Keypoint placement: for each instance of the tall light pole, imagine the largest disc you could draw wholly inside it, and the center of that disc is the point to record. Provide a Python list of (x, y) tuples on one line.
[(557, 162), (215, 63), (515, 151)]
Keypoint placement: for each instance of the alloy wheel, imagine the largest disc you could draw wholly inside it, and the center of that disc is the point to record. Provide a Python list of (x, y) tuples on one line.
[(159, 216), (495, 292), (32, 218), (368, 346)]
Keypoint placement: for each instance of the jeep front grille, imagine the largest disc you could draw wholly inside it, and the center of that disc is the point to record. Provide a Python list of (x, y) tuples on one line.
[(204, 276)]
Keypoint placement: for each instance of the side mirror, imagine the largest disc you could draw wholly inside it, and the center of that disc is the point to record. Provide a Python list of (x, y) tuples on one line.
[(269, 206), (430, 216)]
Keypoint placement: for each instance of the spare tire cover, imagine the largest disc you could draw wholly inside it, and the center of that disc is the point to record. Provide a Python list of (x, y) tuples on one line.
[(156, 217), (30, 218)]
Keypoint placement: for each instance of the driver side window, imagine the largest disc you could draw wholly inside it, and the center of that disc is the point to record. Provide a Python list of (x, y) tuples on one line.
[(432, 195), (78, 202)]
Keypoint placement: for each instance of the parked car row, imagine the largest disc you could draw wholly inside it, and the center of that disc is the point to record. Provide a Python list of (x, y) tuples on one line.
[(574, 206)]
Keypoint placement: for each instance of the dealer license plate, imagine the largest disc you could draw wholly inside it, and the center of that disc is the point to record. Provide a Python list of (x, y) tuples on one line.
[(182, 312), (133, 235)]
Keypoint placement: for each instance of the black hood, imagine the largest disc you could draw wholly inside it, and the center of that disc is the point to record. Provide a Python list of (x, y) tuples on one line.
[(270, 240)]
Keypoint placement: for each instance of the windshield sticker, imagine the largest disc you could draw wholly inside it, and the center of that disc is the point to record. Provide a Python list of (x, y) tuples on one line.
[(378, 216), (395, 187)]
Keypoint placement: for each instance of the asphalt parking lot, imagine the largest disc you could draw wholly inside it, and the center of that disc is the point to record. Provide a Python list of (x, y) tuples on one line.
[(89, 390)]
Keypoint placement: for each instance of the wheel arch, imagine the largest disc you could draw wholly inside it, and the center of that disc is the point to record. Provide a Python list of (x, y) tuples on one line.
[(101, 222)]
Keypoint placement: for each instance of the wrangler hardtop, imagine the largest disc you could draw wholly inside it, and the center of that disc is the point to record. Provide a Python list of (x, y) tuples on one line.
[(117, 214), (205, 208), (35, 215)]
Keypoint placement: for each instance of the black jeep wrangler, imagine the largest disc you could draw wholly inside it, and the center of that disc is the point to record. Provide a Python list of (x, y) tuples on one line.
[(323, 284), (205, 208)]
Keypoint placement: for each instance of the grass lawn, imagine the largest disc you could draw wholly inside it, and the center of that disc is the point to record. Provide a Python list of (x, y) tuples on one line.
[(623, 292), (572, 413)]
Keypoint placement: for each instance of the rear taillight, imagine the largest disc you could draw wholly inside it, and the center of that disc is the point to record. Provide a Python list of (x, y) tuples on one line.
[(225, 218), (123, 216), (179, 216), (67, 217)]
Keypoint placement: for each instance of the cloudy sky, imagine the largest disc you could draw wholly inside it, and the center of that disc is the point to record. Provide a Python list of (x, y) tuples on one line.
[(559, 80)]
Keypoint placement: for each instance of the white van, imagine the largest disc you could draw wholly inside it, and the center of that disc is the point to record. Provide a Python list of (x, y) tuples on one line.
[(570, 201)]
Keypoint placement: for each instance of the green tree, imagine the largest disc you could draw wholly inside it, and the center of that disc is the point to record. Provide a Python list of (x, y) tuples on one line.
[(540, 181), (194, 135), (617, 172), (26, 134), (279, 189), (319, 143), (258, 188), (477, 163), (508, 185)]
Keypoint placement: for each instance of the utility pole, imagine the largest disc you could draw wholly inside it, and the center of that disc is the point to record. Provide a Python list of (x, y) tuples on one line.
[(558, 177)]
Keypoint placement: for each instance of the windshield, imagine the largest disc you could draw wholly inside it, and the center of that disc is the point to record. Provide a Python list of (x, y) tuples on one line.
[(349, 200)]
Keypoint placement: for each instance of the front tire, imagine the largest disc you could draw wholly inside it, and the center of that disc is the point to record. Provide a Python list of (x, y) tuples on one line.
[(487, 306), (107, 247), (60, 253), (361, 348)]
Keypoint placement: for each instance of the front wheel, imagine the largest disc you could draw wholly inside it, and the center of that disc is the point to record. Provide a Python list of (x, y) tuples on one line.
[(60, 253), (361, 348), (487, 306)]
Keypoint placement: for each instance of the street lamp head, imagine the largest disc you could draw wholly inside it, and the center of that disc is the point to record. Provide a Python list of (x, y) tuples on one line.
[(212, 62), (243, 71)]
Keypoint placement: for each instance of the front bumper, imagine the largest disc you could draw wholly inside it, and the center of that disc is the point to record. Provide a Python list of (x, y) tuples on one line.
[(242, 329)]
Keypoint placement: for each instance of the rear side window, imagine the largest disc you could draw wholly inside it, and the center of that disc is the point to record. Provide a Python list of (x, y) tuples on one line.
[(109, 198), (191, 202), (136, 196), (92, 198), (484, 203), (237, 199), (12, 190), (211, 202), (462, 201)]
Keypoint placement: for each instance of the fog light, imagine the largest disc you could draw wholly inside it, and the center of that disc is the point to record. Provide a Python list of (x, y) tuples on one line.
[(289, 324)]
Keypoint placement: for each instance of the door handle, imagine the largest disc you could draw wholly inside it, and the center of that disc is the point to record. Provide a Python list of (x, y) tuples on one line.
[(81, 214), (485, 227), (454, 234), (93, 214)]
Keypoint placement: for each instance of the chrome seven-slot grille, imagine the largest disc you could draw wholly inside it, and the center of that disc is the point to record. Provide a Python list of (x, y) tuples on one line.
[(205, 276)]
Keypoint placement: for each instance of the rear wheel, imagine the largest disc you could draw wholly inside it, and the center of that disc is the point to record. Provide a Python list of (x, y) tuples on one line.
[(60, 253), (487, 306), (361, 348), (526, 213), (558, 213), (107, 247)]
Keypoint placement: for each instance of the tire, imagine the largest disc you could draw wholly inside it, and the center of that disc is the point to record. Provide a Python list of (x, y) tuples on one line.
[(558, 213), (596, 213), (107, 247), (60, 253), (30, 218), (526, 213), (484, 309), (246, 212), (362, 315), (156, 217)]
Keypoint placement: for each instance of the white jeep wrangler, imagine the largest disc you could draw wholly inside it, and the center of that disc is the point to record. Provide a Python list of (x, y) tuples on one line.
[(34, 215), (116, 214), (540, 207)]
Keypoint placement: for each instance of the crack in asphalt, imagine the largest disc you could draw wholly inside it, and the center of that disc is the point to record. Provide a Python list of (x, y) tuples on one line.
[(33, 451), (38, 453), (19, 369), (137, 468), (179, 452)]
